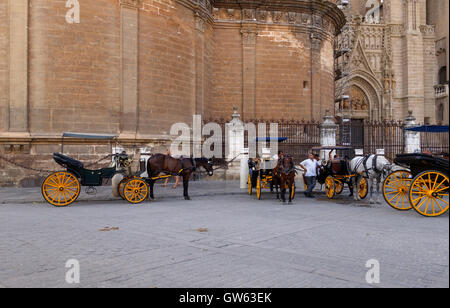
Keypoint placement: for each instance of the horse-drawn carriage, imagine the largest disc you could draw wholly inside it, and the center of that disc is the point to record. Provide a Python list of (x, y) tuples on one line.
[(262, 173), (62, 188), (422, 182), (422, 185), (335, 173)]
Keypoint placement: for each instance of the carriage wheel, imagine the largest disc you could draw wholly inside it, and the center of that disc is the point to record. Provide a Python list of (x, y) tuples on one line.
[(339, 186), (135, 190), (122, 186), (61, 188), (428, 193), (258, 188), (363, 189), (330, 187), (396, 190), (249, 185)]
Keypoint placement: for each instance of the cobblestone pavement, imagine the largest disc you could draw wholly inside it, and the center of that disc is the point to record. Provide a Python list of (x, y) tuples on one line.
[(222, 238)]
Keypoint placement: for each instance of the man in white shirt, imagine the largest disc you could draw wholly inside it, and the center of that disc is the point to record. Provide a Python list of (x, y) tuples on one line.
[(310, 167)]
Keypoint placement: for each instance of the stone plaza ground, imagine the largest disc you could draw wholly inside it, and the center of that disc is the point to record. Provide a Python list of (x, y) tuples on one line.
[(222, 238)]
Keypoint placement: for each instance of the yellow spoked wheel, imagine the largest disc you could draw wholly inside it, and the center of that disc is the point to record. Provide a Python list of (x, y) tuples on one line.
[(249, 184), (339, 186), (396, 190), (135, 190), (61, 188), (258, 188), (428, 193), (363, 188), (330, 187)]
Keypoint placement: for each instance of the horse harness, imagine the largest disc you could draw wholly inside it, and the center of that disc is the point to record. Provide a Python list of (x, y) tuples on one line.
[(364, 163), (288, 171)]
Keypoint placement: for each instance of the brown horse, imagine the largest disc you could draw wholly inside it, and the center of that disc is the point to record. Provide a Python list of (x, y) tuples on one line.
[(284, 174), (184, 167)]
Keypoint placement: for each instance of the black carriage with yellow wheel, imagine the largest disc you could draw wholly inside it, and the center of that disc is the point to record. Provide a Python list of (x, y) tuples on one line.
[(62, 188), (259, 179), (422, 186), (261, 171), (334, 174)]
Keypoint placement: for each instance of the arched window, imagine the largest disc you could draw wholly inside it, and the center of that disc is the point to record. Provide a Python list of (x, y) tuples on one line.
[(442, 77)]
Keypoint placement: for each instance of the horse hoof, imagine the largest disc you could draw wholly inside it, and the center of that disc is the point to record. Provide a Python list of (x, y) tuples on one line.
[(187, 198)]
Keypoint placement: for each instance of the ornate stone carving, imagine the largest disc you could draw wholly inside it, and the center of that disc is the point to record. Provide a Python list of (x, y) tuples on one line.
[(133, 4), (261, 15), (199, 23), (249, 14), (249, 36)]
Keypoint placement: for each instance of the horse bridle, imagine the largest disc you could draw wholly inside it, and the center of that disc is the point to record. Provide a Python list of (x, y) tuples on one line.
[(282, 168)]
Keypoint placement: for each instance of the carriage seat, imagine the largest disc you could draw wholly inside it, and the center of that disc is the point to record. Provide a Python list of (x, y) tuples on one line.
[(340, 167), (67, 161)]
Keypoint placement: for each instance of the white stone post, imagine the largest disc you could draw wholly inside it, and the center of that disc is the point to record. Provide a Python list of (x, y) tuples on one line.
[(244, 168), (411, 139), (235, 138), (327, 134)]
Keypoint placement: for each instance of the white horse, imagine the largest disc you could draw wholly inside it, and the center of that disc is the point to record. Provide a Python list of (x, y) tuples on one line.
[(373, 168)]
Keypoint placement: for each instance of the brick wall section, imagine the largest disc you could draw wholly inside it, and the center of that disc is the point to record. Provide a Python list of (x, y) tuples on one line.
[(209, 67), (4, 67), (74, 69), (282, 65), (227, 76), (166, 66)]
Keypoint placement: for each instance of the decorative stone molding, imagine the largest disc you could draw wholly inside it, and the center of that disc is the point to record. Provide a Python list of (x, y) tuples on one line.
[(427, 30), (249, 36), (327, 17), (132, 4), (397, 30), (200, 21)]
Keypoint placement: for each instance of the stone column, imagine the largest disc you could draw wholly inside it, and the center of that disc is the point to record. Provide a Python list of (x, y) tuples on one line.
[(315, 78), (18, 80), (235, 138), (200, 23), (328, 130), (411, 139), (129, 29), (249, 35)]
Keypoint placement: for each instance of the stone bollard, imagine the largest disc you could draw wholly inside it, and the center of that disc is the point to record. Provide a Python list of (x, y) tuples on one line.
[(328, 130), (411, 139)]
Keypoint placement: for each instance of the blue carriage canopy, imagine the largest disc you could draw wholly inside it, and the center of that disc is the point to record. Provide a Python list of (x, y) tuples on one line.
[(270, 139), (429, 129)]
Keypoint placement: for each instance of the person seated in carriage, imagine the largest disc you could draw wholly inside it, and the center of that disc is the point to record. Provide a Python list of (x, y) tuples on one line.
[(253, 165)]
